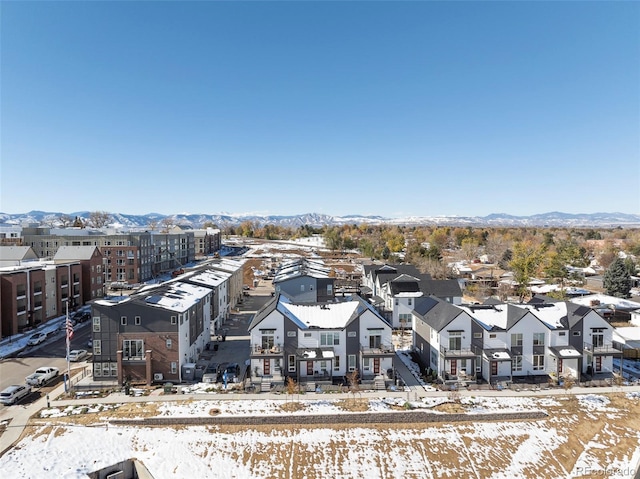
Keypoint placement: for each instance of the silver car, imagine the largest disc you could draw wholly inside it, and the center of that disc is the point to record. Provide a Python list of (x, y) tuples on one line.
[(13, 394)]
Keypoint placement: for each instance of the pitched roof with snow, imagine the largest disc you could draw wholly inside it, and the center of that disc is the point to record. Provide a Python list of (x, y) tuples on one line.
[(316, 315), (74, 253)]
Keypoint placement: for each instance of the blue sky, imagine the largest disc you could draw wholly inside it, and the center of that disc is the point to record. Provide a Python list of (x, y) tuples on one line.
[(384, 108)]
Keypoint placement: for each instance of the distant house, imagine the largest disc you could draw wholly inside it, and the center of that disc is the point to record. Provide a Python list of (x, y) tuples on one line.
[(315, 343), (305, 280)]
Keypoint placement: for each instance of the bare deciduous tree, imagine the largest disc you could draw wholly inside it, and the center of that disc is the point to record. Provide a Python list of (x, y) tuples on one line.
[(353, 382), (98, 219), (65, 220), (167, 223)]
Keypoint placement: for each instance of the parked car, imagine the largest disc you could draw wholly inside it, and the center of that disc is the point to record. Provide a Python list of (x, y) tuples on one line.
[(210, 374), (36, 339), (13, 394), (77, 355), (233, 373), (81, 316), (42, 376)]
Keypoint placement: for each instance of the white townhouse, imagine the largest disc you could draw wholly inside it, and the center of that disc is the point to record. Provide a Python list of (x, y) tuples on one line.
[(396, 289), (319, 342), (506, 342)]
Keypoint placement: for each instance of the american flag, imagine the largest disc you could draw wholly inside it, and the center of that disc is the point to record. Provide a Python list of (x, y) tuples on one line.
[(69, 328)]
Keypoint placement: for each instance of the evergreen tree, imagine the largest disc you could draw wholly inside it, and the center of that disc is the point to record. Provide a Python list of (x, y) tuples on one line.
[(617, 281)]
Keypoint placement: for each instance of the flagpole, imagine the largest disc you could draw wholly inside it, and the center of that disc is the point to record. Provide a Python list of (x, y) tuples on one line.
[(66, 330)]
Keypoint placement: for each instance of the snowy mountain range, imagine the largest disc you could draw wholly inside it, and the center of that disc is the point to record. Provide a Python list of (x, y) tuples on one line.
[(555, 219)]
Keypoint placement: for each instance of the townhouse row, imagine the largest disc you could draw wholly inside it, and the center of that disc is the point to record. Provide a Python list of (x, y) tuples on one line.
[(157, 330), (511, 342)]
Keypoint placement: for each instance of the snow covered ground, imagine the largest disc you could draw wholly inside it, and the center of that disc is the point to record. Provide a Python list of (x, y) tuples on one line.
[(63, 446)]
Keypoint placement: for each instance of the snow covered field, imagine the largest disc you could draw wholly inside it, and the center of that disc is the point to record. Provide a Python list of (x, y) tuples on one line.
[(583, 434)]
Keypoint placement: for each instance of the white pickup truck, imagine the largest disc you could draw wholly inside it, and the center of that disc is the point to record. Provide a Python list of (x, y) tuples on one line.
[(42, 376)]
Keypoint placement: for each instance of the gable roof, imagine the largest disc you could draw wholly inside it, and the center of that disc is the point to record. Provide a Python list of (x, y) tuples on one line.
[(17, 253), (404, 284), (74, 253), (436, 312), (442, 288), (330, 315), (301, 267)]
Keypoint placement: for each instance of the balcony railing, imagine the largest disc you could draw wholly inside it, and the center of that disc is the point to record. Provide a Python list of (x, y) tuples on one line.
[(605, 348), (457, 353), (382, 349), (259, 350)]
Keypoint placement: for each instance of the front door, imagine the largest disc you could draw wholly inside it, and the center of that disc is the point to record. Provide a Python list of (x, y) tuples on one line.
[(494, 368), (454, 367), (376, 365), (598, 364), (267, 367), (309, 368)]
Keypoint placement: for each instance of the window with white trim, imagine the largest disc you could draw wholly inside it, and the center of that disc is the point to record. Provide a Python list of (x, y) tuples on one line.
[(516, 339), (174, 367), (136, 320), (538, 362), (123, 320), (336, 363), (516, 363), (538, 339), (96, 324), (330, 339), (97, 347)]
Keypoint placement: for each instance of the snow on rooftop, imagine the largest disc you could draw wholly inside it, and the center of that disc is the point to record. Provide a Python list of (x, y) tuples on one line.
[(326, 316), (550, 314), (489, 316), (570, 353), (606, 300)]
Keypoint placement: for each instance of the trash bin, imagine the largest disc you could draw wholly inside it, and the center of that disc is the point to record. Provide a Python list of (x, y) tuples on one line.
[(168, 387)]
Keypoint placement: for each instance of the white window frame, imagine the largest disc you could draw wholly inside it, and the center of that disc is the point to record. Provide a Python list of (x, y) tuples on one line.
[(538, 339), (538, 362), (516, 363), (97, 347)]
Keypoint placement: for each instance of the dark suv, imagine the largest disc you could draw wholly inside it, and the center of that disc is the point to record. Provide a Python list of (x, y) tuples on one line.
[(81, 316), (233, 373)]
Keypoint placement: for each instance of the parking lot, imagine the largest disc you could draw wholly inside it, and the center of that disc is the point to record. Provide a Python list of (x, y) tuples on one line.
[(235, 347)]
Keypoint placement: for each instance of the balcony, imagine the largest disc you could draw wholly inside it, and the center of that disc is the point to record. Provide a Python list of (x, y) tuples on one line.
[(380, 350), (258, 351), (457, 353), (605, 349)]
